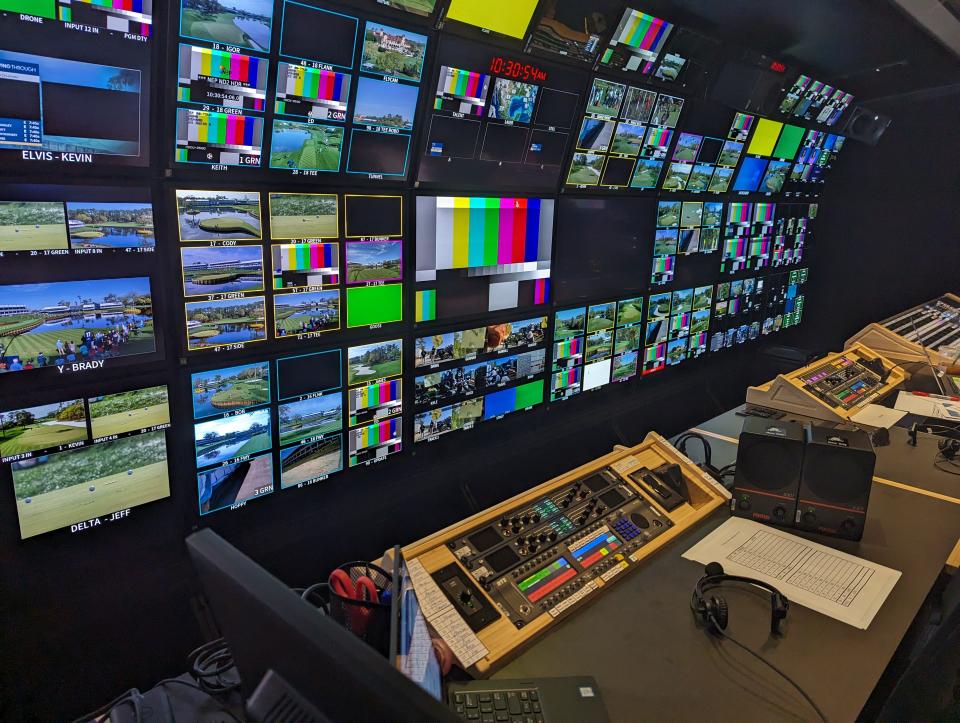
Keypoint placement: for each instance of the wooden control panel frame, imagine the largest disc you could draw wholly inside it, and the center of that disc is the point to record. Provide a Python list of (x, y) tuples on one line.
[(787, 393), (898, 348), (501, 638)]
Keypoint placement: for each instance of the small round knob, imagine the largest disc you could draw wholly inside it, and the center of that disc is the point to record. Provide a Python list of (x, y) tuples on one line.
[(809, 518)]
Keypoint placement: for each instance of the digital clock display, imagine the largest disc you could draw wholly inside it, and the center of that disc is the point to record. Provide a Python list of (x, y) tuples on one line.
[(517, 70)]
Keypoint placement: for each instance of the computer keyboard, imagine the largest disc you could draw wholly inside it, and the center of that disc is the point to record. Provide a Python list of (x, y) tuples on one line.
[(498, 706)]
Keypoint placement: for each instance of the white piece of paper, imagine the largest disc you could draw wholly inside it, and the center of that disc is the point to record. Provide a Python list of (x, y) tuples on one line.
[(443, 617), (873, 415), (929, 405), (844, 587)]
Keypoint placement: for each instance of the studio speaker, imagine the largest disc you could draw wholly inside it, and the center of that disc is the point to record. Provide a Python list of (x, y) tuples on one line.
[(866, 126), (835, 484), (769, 463)]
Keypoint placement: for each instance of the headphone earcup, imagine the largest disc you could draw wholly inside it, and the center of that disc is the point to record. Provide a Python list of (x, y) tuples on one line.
[(718, 614)]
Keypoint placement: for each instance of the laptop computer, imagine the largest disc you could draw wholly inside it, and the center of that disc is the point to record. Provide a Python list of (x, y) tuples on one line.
[(520, 700)]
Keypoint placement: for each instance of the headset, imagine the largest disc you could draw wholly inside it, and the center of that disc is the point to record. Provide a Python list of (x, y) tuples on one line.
[(949, 448), (715, 613)]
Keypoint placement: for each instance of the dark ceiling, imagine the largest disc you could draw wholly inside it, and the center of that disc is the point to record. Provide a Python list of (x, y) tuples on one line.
[(846, 40)]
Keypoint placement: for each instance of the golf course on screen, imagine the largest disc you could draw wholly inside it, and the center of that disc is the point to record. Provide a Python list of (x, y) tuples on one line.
[(303, 215), (59, 490), (129, 411)]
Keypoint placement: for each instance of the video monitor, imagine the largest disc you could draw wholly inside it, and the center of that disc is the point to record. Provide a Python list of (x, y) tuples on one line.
[(373, 217), (476, 255), (133, 18), (492, 112), (376, 429), (300, 376), (310, 418), (637, 40), (219, 215), (374, 305), (305, 314), (224, 439), (765, 137), (775, 176), (232, 485), (225, 324), (371, 362), (89, 483), (296, 216), (751, 174), (220, 392), (615, 260), (47, 220), (215, 271), (325, 276), (311, 462), (815, 158), (75, 326), (229, 22), (232, 80), (74, 99), (372, 402), (595, 346), (218, 139), (311, 264), (65, 477), (814, 100), (342, 108), (789, 142), (624, 139), (424, 8), (451, 395), (507, 17), (573, 30)]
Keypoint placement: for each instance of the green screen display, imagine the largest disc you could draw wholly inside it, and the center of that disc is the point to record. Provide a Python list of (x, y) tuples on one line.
[(529, 395), (40, 8), (789, 142), (367, 305)]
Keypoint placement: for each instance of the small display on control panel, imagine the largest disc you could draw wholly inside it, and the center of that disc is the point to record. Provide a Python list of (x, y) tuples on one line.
[(592, 549), (547, 579)]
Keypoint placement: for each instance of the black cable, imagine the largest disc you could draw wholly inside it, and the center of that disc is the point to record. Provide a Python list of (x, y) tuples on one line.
[(773, 667), (209, 663), (727, 471), (324, 599), (681, 445), (222, 707)]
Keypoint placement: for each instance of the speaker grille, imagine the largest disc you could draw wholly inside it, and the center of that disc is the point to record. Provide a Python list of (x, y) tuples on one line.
[(766, 464), (833, 476)]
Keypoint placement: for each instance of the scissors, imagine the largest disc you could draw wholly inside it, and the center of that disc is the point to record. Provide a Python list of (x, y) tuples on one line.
[(363, 589)]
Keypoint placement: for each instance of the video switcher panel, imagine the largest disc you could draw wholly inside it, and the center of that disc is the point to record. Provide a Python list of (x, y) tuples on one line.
[(519, 567)]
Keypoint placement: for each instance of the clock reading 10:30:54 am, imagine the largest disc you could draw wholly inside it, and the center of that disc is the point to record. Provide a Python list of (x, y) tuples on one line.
[(517, 70)]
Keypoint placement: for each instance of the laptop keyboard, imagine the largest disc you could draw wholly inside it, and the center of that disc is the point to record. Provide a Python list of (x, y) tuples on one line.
[(499, 706)]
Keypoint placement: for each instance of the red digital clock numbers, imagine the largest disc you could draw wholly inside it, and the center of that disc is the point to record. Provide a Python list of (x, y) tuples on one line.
[(517, 70)]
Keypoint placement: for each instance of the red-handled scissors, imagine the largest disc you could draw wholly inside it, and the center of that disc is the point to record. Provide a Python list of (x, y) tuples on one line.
[(363, 589)]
